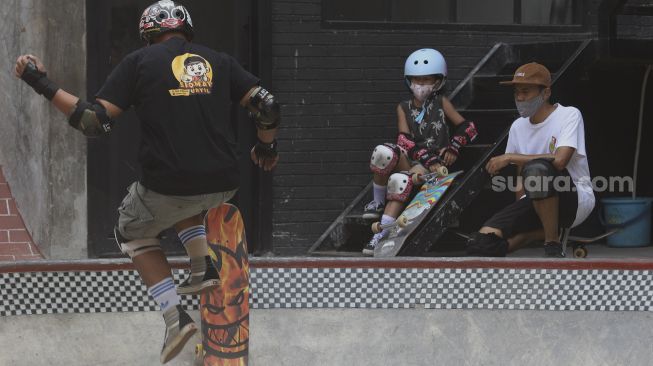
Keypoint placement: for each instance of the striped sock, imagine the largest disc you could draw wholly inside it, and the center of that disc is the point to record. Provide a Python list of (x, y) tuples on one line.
[(194, 240), (165, 294)]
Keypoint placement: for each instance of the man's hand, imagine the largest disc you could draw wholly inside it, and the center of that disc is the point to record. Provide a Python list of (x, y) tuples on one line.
[(31, 70), (447, 156), (497, 163), (265, 155), (23, 60)]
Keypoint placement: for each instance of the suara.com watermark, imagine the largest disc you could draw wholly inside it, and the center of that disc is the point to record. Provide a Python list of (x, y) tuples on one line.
[(562, 183)]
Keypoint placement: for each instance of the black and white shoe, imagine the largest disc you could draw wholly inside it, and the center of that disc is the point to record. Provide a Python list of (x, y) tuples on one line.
[(368, 249), (199, 282), (553, 249), (373, 210), (179, 329)]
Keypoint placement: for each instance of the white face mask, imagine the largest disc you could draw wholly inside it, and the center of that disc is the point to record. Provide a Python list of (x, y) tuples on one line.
[(528, 108), (421, 92)]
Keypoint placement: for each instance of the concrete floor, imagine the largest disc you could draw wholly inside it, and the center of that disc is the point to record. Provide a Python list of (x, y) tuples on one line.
[(335, 337)]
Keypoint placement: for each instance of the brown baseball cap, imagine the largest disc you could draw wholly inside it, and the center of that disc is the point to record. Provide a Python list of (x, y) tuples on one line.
[(532, 73)]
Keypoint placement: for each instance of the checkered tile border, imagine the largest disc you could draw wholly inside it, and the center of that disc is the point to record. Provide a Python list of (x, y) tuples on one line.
[(520, 289)]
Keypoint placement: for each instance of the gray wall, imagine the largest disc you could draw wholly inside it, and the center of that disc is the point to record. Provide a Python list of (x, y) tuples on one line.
[(43, 159), (635, 26)]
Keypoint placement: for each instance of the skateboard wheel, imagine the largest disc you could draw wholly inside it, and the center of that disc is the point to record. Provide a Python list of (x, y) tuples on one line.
[(443, 171), (416, 178), (376, 227), (199, 349), (402, 221), (580, 252)]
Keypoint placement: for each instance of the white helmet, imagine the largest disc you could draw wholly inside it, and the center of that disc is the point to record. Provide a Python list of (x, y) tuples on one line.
[(423, 62)]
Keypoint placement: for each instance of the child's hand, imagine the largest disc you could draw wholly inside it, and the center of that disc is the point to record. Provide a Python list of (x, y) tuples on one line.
[(447, 156), (434, 168)]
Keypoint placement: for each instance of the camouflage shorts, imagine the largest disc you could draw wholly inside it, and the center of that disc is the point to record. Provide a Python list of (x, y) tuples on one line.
[(145, 213)]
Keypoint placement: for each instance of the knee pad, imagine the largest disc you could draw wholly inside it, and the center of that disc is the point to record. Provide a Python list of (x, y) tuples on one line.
[(384, 159), (538, 176), (487, 245), (134, 248), (400, 185)]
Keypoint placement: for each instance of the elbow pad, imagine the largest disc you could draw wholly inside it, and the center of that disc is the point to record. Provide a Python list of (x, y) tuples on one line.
[(91, 119), (406, 143), (265, 109)]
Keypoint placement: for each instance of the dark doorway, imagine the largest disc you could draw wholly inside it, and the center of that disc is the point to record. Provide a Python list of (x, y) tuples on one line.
[(112, 28)]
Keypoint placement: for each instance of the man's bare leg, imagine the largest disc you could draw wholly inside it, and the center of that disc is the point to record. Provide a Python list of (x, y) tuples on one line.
[(153, 267), (518, 241), (491, 230), (521, 240), (547, 211)]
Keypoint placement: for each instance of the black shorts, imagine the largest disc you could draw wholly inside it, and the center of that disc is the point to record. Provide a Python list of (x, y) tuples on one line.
[(520, 217)]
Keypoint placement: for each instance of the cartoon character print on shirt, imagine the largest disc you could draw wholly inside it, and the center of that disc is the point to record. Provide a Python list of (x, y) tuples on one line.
[(552, 144), (194, 74)]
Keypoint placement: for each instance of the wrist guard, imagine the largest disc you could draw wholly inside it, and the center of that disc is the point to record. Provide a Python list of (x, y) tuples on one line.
[(39, 81), (266, 150), (264, 109), (427, 158), (465, 133)]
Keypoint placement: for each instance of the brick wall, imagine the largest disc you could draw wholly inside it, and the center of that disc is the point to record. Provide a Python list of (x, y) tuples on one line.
[(339, 89), (636, 26), (15, 241)]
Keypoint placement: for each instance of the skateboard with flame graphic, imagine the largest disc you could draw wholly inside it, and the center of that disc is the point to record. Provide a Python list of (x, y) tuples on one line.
[(225, 310)]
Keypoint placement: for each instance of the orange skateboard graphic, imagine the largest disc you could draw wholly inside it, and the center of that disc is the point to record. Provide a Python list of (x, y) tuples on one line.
[(225, 310)]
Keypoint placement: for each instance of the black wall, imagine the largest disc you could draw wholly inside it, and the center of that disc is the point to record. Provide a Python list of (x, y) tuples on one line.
[(339, 89)]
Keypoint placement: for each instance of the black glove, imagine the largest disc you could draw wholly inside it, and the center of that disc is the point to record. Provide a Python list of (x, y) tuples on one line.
[(266, 150), (39, 81)]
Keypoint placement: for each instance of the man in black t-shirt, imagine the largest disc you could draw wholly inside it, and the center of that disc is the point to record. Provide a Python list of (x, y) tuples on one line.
[(182, 93)]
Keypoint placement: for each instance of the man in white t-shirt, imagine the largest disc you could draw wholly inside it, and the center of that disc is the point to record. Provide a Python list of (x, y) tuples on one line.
[(547, 144)]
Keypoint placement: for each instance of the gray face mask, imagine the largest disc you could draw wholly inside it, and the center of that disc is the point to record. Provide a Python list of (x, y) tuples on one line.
[(528, 108)]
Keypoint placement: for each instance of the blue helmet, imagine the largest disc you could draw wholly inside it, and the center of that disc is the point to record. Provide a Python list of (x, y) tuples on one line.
[(424, 62)]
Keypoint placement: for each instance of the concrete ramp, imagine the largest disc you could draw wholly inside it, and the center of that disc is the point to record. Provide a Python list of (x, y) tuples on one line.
[(330, 337)]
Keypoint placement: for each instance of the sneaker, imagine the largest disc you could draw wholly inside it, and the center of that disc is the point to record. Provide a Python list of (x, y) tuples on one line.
[(179, 328), (373, 210), (368, 249), (195, 284), (553, 249)]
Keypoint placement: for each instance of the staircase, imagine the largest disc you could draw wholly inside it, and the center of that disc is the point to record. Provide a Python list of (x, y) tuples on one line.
[(469, 201)]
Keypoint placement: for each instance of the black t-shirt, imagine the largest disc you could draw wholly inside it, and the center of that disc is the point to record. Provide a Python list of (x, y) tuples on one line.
[(182, 93), (432, 128)]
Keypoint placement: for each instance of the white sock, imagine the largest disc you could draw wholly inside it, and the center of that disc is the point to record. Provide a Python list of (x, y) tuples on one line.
[(165, 294), (385, 219), (379, 193), (194, 240)]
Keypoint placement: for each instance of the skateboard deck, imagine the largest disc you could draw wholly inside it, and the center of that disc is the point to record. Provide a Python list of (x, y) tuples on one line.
[(224, 310), (418, 208)]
